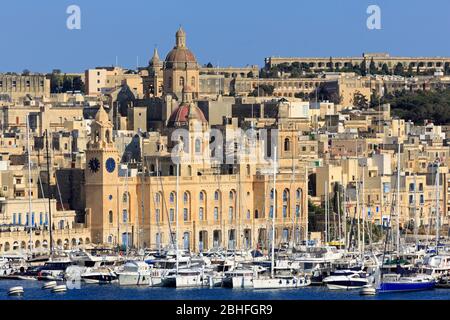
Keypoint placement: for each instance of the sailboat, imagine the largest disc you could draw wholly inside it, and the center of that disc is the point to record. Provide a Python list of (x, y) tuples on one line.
[(279, 282), (394, 282)]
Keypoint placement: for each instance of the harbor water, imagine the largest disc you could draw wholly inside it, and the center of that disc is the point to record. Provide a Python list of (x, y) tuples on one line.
[(33, 291)]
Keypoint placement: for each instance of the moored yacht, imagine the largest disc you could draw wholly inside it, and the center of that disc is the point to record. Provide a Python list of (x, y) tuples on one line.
[(346, 280), (134, 273)]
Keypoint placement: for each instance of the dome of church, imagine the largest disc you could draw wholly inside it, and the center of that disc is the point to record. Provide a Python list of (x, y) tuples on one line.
[(180, 56), (181, 115)]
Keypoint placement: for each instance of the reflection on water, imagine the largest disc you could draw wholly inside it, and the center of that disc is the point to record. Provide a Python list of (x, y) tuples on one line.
[(33, 291)]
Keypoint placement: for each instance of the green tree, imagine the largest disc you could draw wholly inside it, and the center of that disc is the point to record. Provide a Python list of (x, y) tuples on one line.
[(399, 69), (360, 100), (385, 69), (363, 67), (372, 67), (330, 65)]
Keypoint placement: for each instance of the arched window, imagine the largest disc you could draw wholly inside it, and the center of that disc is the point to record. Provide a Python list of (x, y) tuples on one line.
[(216, 195), (157, 198), (299, 194), (107, 136), (181, 82), (202, 196), (189, 171), (231, 195), (287, 144), (285, 195), (110, 216), (198, 146), (185, 198), (172, 197), (125, 197), (248, 169), (248, 214)]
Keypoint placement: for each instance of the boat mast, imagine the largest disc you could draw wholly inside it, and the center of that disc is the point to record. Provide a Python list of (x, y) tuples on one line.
[(326, 212), (398, 200), (48, 194), (437, 205), (176, 208), (357, 196), (416, 227), (274, 209), (30, 223), (339, 214), (363, 211)]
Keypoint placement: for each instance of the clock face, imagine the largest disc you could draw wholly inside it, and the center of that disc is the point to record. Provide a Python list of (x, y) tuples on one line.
[(94, 164), (110, 165)]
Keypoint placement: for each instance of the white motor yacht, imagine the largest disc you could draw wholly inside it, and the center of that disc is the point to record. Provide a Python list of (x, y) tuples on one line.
[(346, 280), (281, 282), (134, 273)]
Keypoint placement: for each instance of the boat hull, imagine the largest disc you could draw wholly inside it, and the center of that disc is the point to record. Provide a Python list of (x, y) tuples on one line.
[(404, 287), (134, 279)]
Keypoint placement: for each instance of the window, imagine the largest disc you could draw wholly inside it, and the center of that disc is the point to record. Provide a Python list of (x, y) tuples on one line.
[(201, 214), (230, 213), (248, 214), (14, 219), (110, 216), (271, 212), (299, 194), (181, 82), (297, 211), (216, 214), (157, 215), (287, 144), (197, 146), (172, 197), (202, 196), (185, 198), (125, 216), (284, 211), (171, 215), (421, 199), (185, 214), (216, 195), (193, 81), (285, 195), (46, 219), (20, 219), (157, 198), (231, 195)]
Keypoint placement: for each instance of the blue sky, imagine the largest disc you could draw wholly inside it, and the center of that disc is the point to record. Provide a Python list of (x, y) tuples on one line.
[(233, 32)]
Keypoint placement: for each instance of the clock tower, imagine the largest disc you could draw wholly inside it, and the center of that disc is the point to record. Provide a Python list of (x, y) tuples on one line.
[(102, 179)]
